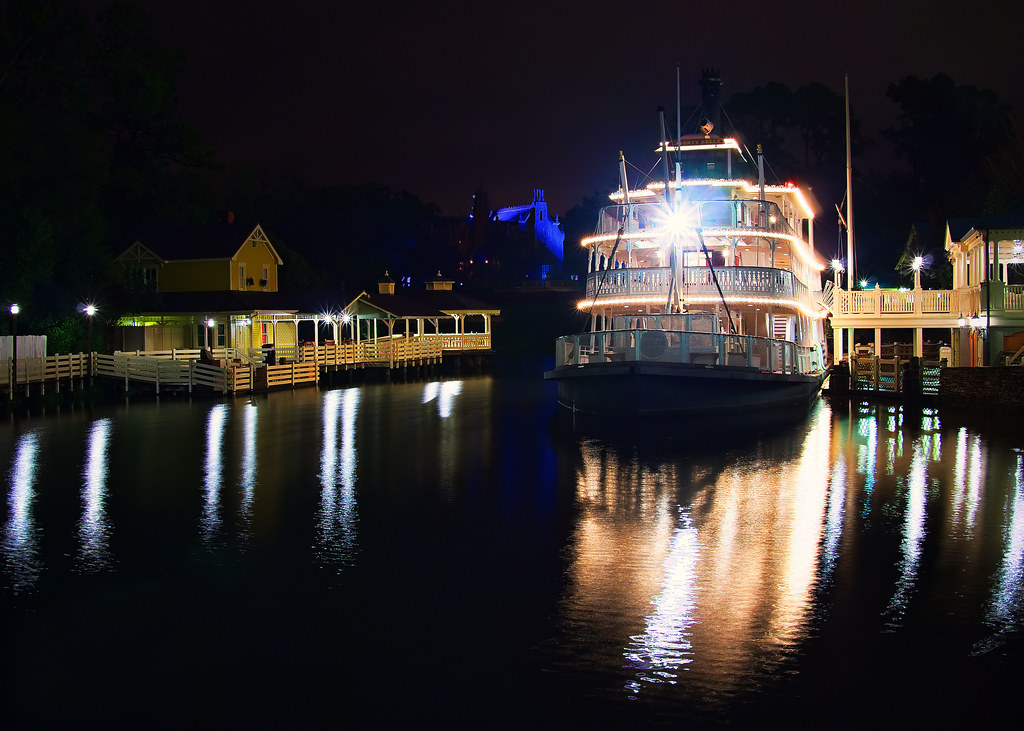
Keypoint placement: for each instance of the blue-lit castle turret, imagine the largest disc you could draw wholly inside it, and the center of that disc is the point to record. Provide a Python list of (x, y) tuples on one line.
[(534, 218), (505, 247)]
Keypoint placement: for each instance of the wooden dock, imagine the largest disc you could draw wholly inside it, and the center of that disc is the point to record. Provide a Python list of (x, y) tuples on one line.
[(228, 370)]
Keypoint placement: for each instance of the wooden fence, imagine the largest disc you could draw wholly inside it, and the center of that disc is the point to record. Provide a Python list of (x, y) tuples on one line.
[(231, 370), (873, 373), (51, 370)]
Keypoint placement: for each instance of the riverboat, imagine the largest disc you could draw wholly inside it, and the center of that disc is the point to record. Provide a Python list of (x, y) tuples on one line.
[(703, 289)]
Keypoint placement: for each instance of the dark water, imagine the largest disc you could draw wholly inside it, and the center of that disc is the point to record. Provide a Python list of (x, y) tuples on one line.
[(451, 553)]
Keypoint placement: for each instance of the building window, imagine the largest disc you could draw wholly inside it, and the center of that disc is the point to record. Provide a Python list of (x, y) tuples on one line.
[(266, 276), (264, 333), (221, 335), (241, 276)]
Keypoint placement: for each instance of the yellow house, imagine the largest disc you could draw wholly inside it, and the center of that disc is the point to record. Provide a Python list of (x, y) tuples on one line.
[(217, 258), (213, 285)]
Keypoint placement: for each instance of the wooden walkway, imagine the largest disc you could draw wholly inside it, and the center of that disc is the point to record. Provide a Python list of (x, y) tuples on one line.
[(230, 371)]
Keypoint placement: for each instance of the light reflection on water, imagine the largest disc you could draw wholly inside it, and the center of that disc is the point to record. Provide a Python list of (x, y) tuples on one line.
[(250, 423), (20, 545), (720, 561), (725, 564), (337, 545), (213, 471), (695, 571), (94, 527), (913, 535), (1004, 612)]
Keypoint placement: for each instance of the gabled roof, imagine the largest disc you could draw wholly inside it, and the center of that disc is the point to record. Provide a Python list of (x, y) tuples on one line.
[(244, 303), (427, 304), (212, 241), (188, 303), (958, 228)]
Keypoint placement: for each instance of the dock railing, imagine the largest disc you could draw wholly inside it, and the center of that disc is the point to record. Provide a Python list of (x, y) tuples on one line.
[(51, 369), (164, 372), (876, 373), (231, 369)]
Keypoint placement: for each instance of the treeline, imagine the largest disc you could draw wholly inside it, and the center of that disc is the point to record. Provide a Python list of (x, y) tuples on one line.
[(95, 154), (951, 151)]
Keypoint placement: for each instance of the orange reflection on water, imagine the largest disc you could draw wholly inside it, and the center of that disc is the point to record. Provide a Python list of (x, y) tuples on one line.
[(718, 559)]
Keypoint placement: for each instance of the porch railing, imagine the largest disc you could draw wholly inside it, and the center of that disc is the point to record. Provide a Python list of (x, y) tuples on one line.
[(955, 303)]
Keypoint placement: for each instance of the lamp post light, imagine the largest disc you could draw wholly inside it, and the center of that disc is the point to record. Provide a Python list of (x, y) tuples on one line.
[(14, 309), (837, 269), (90, 310), (206, 331), (917, 266)]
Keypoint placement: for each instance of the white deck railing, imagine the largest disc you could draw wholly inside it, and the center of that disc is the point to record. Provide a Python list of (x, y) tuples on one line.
[(761, 282), (673, 346), (751, 215)]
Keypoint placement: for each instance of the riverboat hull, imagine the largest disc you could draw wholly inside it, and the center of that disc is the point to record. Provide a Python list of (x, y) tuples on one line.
[(665, 389)]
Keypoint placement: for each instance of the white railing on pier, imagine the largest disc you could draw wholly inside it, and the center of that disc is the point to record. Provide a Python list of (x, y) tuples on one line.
[(230, 369), (680, 346), (164, 372)]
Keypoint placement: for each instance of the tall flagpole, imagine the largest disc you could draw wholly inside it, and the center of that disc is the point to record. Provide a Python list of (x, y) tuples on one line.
[(679, 116), (849, 194)]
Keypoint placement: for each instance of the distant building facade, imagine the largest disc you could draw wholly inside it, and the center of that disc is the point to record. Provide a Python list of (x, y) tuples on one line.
[(512, 245), (535, 219)]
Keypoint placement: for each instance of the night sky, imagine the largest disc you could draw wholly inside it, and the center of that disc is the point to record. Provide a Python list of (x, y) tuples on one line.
[(442, 98)]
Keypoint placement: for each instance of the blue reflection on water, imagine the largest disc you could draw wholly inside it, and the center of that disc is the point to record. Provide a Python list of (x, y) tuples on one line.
[(834, 518), (20, 546), (94, 529), (913, 536), (1008, 596), (867, 459)]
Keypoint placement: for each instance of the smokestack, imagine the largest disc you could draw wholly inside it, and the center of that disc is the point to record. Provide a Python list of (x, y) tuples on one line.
[(711, 101)]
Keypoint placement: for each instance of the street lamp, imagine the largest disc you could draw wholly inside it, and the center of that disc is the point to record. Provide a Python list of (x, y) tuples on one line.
[(917, 265), (14, 351), (206, 331), (90, 310), (837, 268)]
